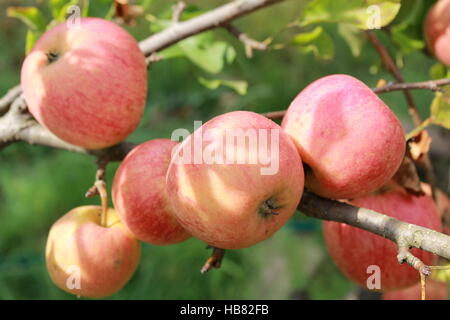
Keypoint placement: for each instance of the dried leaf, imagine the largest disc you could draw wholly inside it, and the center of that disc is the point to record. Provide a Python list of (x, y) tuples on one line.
[(407, 177), (127, 13), (420, 145)]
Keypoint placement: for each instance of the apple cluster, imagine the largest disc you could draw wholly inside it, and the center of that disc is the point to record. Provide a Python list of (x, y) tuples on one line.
[(87, 84)]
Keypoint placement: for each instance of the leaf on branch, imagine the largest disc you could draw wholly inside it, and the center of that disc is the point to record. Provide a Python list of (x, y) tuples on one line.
[(239, 86), (440, 108), (363, 14), (352, 36), (420, 145), (31, 16), (438, 71), (31, 39), (317, 41), (407, 28)]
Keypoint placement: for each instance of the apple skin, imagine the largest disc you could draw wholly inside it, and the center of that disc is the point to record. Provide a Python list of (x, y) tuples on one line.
[(139, 194), (351, 142), (437, 31), (106, 256), (93, 95), (222, 204), (354, 249), (434, 290)]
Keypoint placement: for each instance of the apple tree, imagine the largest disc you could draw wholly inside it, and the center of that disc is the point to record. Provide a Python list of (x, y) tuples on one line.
[(344, 151)]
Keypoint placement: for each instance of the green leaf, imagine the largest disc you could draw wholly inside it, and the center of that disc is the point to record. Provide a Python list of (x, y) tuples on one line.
[(56, 6), (407, 28), (31, 16), (352, 36), (364, 14), (440, 108), (317, 41), (239, 86), (85, 10), (32, 37), (208, 56), (438, 71)]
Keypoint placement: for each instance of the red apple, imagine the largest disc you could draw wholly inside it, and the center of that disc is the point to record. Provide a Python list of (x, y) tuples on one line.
[(86, 82), (87, 259), (434, 290), (140, 197), (235, 181), (354, 249), (437, 31), (351, 142)]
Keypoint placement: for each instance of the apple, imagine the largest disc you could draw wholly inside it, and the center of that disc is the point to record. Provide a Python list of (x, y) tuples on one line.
[(354, 250), (434, 290), (235, 181), (87, 259), (140, 197), (350, 142), (86, 82), (437, 31)]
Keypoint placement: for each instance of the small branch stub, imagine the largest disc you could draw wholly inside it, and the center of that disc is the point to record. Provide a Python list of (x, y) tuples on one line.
[(214, 261)]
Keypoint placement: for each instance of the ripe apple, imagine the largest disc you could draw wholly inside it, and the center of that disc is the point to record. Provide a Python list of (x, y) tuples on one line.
[(350, 142), (354, 249), (86, 82), (434, 290), (235, 181), (437, 31), (140, 196), (87, 259)]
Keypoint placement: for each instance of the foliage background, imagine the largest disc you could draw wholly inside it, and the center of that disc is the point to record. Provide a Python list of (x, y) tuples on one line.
[(39, 184)]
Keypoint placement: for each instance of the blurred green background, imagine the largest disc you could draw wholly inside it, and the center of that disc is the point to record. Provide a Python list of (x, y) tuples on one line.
[(39, 184)]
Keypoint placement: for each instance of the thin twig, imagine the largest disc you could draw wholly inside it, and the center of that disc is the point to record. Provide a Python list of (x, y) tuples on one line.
[(274, 114), (404, 255), (154, 57), (433, 85), (249, 43), (8, 98), (178, 10)]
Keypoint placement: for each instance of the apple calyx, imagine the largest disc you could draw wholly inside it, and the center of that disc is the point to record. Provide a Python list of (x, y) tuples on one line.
[(268, 206), (52, 56)]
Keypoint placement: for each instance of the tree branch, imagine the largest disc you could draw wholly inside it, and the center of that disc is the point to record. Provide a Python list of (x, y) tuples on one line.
[(403, 233), (210, 20)]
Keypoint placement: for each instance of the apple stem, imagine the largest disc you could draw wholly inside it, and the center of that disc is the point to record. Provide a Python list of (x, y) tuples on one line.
[(214, 261), (422, 286), (101, 187)]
